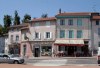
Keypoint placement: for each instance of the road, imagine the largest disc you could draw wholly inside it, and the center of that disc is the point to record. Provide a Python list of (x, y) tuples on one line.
[(61, 61), (30, 66)]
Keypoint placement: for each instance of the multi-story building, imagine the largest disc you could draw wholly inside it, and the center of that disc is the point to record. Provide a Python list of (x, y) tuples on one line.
[(95, 31), (67, 34), (74, 33), (14, 38), (38, 39)]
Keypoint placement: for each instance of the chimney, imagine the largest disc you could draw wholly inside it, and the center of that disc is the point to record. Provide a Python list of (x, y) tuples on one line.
[(60, 11)]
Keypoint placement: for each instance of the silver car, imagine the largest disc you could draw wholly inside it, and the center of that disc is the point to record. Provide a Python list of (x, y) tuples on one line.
[(11, 59)]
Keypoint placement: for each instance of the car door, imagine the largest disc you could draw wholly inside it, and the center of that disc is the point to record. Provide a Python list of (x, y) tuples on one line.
[(1, 59), (5, 58)]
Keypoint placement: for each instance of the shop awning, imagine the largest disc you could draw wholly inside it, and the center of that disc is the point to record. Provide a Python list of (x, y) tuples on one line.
[(70, 42)]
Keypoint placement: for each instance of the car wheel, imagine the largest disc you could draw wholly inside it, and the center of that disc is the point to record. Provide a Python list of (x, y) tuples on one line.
[(16, 62)]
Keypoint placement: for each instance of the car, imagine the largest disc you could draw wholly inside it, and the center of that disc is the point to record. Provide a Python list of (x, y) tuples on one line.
[(11, 59), (98, 56)]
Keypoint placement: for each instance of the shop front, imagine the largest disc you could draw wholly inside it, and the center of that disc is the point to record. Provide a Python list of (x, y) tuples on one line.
[(71, 48), (42, 48)]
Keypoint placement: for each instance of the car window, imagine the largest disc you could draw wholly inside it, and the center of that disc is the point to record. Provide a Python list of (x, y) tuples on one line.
[(5, 55)]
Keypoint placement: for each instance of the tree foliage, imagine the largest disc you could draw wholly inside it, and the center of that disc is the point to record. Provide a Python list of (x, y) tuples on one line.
[(26, 18), (7, 21), (16, 19)]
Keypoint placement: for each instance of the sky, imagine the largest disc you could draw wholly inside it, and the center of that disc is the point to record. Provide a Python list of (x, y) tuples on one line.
[(36, 8)]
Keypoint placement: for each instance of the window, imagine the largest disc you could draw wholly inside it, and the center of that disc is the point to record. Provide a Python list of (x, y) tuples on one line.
[(62, 22), (11, 38), (25, 36), (79, 22), (70, 22), (79, 34), (47, 34), (97, 22), (71, 33), (98, 44), (62, 33), (47, 23), (98, 31), (37, 35), (36, 24), (17, 38)]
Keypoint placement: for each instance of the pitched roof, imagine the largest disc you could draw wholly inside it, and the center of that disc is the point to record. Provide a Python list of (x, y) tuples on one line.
[(44, 19), (74, 14), (21, 25)]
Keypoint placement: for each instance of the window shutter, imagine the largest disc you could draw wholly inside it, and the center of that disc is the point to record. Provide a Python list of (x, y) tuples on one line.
[(44, 35), (39, 35), (50, 35), (33, 35)]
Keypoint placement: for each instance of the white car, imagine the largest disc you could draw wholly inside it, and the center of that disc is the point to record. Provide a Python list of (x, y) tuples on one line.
[(98, 56), (11, 59)]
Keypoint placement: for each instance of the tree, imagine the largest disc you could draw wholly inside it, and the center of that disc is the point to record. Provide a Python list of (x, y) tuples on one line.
[(7, 21), (26, 18), (44, 15), (0, 29), (16, 19)]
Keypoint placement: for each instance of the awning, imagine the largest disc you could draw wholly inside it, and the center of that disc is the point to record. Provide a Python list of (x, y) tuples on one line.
[(69, 42)]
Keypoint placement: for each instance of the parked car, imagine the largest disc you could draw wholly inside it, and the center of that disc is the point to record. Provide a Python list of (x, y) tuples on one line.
[(11, 59), (98, 55)]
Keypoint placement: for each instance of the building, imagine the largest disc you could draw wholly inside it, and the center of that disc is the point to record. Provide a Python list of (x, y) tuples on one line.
[(4, 43), (74, 37), (14, 38), (95, 20), (38, 39)]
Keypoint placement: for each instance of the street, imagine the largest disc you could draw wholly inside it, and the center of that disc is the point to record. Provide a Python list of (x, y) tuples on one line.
[(30, 66), (61, 61)]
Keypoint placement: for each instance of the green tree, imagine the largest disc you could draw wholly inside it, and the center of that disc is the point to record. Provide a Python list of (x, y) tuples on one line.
[(26, 18), (44, 15), (7, 21), (16, 19)]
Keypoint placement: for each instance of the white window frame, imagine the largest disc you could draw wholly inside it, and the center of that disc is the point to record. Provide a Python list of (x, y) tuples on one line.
[(49, 37)]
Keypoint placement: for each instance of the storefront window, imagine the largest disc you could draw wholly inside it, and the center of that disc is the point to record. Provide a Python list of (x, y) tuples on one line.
[(46, 50)]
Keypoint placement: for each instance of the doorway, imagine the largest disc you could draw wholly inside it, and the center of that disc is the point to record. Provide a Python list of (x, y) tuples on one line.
[(37, 52)]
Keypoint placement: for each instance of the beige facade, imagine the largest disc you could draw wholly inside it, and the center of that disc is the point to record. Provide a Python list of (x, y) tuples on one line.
[(41, 35)]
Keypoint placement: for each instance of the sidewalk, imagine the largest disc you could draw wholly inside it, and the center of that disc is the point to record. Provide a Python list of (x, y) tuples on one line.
[(62, 57)]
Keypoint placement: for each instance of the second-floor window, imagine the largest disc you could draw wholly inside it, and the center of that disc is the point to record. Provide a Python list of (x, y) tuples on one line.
[(62, 22), (79, 22), (62, 33), (98, 31), (17, 38), (70, 22), (47, 35), (97, 22), (98, 44), (71, 34), (11, 38), (79, 33), (37, 35)]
